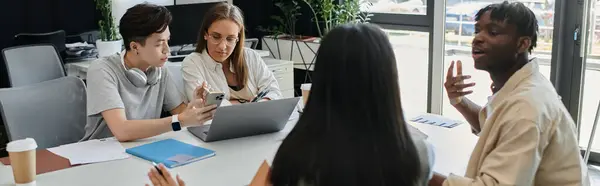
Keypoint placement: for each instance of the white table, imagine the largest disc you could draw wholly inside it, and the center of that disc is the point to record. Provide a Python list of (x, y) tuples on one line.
[(236, 161)]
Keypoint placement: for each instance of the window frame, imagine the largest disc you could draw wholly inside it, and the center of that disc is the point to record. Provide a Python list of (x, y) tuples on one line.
[(567, 68)]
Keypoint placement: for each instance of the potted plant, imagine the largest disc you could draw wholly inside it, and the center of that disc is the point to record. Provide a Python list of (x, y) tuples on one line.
[(284, 43), (109, 42), (328, 15)]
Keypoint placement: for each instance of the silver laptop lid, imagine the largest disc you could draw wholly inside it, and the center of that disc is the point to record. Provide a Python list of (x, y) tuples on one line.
[(247, 120)]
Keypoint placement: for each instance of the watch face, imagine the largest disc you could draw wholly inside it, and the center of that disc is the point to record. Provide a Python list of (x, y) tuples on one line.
[(176, 126)]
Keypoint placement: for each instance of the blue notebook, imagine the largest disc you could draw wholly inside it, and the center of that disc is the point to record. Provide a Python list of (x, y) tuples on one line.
[(171, 153)]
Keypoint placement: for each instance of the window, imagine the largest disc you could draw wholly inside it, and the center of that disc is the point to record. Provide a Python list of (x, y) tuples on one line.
[(412, 57), (418, 7), (591, 92), (460, 21)]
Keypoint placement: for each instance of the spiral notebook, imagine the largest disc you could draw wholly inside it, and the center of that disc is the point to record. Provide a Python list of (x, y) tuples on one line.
[(171, 152)]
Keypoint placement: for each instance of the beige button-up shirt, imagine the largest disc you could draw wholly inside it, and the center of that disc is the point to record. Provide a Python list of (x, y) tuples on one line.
[(527, 138)]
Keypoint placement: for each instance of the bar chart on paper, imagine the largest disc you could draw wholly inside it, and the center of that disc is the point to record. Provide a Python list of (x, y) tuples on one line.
[(437, 120)]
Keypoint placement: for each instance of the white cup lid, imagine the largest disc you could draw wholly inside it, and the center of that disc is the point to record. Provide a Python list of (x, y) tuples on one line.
[(306, 86), (21, 145)]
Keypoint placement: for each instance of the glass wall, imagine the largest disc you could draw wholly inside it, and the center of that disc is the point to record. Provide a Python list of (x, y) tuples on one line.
[(412, 55), (417, 7), (591, 74)]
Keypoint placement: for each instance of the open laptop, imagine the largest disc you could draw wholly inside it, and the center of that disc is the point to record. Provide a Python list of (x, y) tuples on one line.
[(247, 119)]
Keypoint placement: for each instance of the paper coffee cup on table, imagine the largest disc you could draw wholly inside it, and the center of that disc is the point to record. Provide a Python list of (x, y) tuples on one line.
[(22, 159), (305, 91)]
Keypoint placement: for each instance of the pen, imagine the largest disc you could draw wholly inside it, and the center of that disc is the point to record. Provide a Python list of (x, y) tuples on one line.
[(260, 95), (257, 96), (157, 169)]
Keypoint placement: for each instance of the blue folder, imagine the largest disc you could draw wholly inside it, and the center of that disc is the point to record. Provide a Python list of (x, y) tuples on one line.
[(171, 153)]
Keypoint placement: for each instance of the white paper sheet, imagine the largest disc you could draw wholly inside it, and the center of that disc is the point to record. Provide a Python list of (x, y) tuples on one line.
[(8, 179), (295, 115), (436, 120), (91, 151)]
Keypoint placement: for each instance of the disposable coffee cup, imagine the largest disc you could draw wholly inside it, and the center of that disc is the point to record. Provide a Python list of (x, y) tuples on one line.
[(22, 159), (305, 91)]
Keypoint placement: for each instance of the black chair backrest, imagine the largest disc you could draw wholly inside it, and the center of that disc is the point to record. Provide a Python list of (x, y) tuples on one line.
[(56, 38)]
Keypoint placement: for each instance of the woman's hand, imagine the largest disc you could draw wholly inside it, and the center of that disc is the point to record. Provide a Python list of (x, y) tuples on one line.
[(163, 179), (201, 91)]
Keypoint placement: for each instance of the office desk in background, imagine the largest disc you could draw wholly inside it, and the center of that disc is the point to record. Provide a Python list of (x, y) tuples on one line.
[(236, 160), (282, 70)]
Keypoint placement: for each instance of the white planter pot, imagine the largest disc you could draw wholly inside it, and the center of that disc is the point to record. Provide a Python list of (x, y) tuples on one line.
[(107, 48), (302, 53)]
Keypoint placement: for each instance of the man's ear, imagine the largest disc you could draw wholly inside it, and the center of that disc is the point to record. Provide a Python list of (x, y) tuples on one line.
[(523, 44), (133, 45)]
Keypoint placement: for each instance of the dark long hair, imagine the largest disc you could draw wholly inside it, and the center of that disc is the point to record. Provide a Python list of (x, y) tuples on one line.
[(219, 12), (352, 131)]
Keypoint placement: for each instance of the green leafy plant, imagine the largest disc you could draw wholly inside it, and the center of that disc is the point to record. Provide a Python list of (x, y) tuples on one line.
[(349, 12), (108, 29), (329, 14), (287, 23), (326, 14)]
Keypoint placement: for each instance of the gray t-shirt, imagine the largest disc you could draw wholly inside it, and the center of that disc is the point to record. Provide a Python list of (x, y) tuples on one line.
[(108, 88)]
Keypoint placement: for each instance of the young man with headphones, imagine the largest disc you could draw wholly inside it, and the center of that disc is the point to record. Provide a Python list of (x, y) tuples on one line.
[(127, 92)]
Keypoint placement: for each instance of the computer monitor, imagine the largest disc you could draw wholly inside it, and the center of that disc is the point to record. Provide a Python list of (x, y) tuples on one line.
[(186, 22)]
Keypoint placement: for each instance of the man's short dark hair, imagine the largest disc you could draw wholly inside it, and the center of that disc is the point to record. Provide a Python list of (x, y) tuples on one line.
[(517, 14), (143, 20)]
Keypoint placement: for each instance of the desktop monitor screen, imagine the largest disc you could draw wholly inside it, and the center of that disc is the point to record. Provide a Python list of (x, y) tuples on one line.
[(186, 23)]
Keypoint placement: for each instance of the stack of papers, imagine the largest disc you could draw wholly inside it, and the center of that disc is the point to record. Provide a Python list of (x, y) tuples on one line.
[(436, 120), (91, 151)]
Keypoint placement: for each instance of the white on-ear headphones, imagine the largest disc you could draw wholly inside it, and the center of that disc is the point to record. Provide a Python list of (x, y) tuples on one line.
[(140, 79)]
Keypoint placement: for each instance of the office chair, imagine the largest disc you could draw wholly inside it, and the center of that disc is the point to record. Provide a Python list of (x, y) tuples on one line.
[(251, 43), (31, 64), (55, 111), (56, 38)]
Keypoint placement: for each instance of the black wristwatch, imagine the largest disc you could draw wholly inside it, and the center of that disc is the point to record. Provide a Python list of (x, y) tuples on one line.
[(175, 124)]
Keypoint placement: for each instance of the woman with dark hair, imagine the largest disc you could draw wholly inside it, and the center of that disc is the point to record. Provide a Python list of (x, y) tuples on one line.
[(223, 63), (352, 131)]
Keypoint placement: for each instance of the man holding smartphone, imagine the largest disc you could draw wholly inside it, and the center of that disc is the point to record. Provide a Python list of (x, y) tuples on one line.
[(127, 92)]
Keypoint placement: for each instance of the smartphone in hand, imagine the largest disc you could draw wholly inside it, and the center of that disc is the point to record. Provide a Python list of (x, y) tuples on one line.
[(214, 98)]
